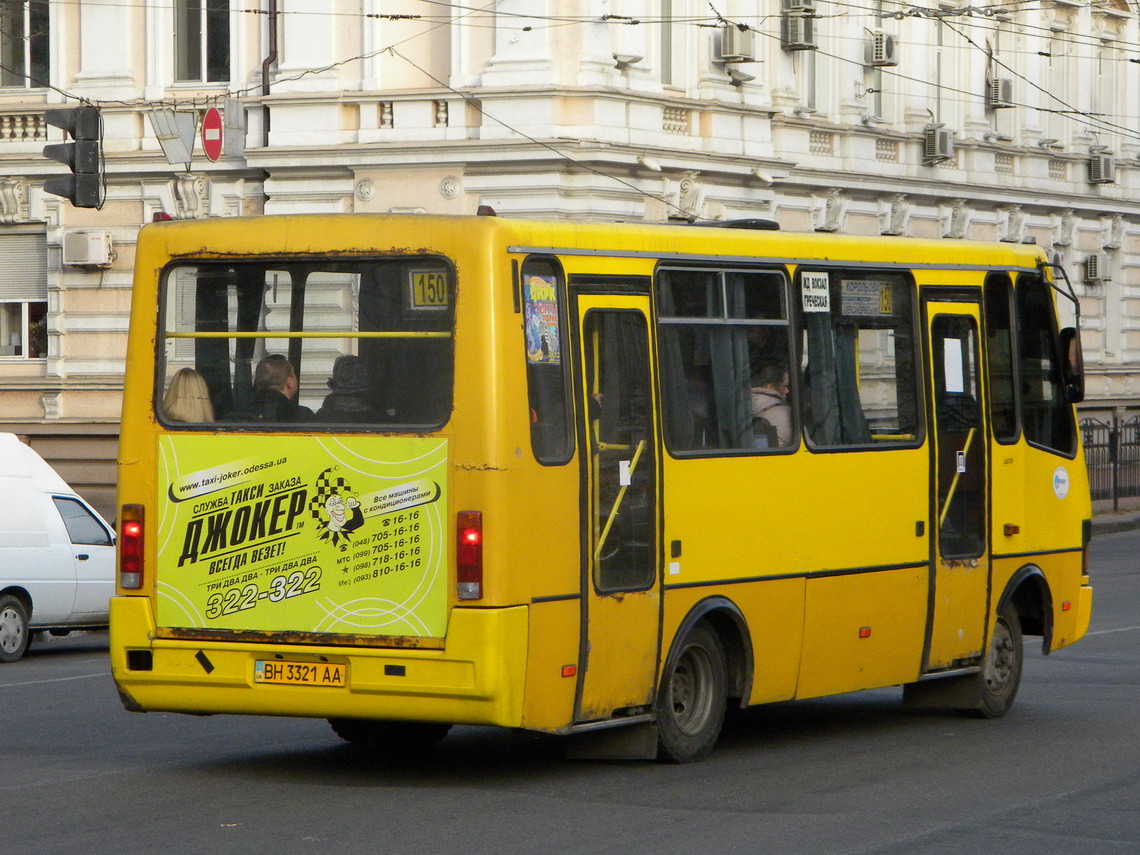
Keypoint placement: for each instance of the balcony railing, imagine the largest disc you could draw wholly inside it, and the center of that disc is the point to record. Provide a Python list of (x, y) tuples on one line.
[(22, 127)]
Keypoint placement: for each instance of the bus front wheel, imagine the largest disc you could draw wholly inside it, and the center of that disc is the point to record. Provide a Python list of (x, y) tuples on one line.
[(692, 698), (996, 684)]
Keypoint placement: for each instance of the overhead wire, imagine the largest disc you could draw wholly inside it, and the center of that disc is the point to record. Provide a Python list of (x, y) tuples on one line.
[(548, 146), (1087, 118), (988, 13)]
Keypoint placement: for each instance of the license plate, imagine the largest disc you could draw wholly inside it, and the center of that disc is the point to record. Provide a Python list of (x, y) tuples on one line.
[(300, 673)]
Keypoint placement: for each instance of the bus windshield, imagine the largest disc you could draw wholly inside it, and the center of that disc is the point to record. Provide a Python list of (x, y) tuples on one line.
[(319, 340)]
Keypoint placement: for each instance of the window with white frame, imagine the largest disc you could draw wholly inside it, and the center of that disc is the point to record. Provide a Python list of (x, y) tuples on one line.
[(1058, 92), (24, 43), (23, 329), (23, 296), (673, 37), (201, 40)]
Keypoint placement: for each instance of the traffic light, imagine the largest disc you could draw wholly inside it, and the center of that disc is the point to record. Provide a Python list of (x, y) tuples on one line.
[(84, 157)]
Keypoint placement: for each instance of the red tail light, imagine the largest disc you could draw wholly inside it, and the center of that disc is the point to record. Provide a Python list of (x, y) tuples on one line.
[(131, 546), (469, 554)]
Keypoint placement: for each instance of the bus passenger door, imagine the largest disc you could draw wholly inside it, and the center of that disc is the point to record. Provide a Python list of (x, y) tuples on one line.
[(957, 625), (620, 588)]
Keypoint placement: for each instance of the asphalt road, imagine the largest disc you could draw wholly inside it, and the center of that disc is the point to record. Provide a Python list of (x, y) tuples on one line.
[(852, 774)]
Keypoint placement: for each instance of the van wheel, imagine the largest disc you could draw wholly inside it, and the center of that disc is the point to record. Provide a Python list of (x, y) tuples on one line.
[(692, 698), (13, 628), (390, 739)]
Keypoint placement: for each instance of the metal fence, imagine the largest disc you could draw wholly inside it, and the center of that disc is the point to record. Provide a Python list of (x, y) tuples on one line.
[(1112, 452)]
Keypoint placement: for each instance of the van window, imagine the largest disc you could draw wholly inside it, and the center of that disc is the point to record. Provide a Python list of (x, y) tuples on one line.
[(82, 526)]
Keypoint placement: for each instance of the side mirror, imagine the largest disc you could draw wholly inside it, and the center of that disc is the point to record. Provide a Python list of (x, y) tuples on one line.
[(1073, 365)]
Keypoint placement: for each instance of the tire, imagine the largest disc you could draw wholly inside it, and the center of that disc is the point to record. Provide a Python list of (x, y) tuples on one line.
[(14, 635), (997, 683), (692, 698), (390, 739)]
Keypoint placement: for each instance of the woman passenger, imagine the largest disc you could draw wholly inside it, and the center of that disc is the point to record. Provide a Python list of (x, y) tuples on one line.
[(187, 398)]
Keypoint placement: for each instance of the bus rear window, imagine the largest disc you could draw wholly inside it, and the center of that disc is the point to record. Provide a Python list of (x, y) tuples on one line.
[(362, 343)]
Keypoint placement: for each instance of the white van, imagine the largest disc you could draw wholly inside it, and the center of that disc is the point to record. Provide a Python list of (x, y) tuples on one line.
[(57, 555)]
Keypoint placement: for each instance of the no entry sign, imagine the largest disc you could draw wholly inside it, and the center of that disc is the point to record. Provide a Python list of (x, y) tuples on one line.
[(212, 133)]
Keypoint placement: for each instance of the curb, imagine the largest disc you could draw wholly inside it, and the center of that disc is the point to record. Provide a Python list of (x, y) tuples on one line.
[(1110, 523)]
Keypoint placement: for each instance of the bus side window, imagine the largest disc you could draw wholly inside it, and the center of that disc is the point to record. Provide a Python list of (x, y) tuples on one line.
[(724, 349), (1000, 361), (857, 346), (551, 432), (1047, 417)]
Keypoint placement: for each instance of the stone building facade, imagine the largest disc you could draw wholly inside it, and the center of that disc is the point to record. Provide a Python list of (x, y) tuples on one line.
[(1003, 121)]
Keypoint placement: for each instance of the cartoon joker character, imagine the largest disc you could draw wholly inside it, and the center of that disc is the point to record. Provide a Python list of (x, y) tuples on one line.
[(336, 510)]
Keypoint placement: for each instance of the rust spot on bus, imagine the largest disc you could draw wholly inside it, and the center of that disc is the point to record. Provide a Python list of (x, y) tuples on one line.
[(329, 639)]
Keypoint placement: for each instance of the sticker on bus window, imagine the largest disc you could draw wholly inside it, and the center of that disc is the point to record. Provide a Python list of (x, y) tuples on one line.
[(953, 370), (541, 320), (816, 292), (867, 298), (344, 535), (428, 289)]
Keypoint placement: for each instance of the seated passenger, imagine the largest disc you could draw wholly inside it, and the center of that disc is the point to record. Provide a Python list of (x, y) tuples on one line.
[(275, 391), (769, 401), (187, 398), (352, 396)]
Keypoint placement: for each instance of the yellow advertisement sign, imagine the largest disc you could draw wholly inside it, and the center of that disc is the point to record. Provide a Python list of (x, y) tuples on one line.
[(303, 534)]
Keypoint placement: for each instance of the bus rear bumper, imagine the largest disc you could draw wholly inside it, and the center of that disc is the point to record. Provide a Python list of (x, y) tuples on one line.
[(478, 677)]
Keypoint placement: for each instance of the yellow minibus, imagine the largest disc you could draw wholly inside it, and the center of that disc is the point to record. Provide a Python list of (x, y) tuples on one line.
[(403, 472)]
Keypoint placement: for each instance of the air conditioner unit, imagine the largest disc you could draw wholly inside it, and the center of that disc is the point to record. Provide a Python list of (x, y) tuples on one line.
[(87, 248), (999, 93), (1096, 267), (1102, 169), (798, 32), (736, 44), (938, 144), (881, 50)]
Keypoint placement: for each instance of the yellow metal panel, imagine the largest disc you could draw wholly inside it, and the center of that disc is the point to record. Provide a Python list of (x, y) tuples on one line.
[(1007, 500), (794, 514), (1054, 512), (888, 607), (552, 646)]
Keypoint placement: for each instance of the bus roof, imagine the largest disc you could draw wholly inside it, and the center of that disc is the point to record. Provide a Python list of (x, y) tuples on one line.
[(353, 234)]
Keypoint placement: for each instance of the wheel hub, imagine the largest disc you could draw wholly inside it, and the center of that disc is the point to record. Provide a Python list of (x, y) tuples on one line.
[(1000, 663), (11, 632)]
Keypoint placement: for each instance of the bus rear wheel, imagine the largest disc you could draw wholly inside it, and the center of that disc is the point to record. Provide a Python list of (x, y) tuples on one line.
[(692, 698), (392, 739)]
